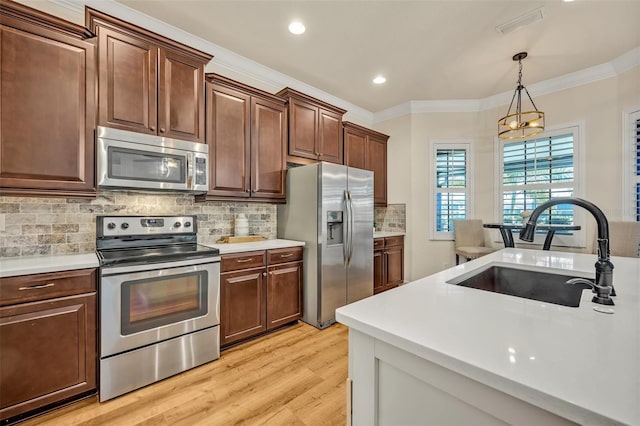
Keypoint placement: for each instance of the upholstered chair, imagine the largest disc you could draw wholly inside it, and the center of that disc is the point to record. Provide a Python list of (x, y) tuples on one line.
[(469, 239)]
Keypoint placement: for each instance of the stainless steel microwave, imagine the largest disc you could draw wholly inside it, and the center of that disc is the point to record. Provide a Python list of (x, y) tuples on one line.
[(138, 161)]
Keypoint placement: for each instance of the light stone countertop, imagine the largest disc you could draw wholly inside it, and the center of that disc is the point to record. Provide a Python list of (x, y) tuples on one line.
[(381, 234), (256, 245), (575, 362), (27, 265)]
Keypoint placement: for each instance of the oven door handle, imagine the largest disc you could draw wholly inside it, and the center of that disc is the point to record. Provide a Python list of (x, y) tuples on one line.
[(113, 270)]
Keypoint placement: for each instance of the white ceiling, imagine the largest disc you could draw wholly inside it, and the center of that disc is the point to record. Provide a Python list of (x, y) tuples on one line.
[(428, 50)]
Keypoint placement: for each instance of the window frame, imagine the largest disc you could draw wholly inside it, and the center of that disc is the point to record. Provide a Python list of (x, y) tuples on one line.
[(467, 145), (578, 238), (629, 177)]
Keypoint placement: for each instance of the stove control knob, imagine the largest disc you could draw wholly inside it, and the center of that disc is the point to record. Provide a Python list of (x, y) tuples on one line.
[(177, 225), (111, 225), (124, 225), (187, 224)]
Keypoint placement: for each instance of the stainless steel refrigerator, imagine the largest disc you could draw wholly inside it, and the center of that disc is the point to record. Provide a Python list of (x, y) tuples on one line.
[(330, 208)]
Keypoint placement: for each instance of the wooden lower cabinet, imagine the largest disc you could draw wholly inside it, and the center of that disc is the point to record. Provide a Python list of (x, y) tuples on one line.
[(260, 291), (243, 305), (284, 294), (388, 263), (48, 346)]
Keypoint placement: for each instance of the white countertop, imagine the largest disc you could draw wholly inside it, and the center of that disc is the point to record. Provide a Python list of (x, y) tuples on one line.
[(256, 245), (27, 265), (575, 362), (381, 234)]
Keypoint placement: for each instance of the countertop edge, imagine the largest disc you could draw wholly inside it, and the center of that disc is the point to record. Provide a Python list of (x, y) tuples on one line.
[(29, 265)]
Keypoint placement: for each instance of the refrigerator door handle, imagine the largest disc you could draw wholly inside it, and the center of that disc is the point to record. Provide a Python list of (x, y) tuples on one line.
[(345, 229), (351, 226)]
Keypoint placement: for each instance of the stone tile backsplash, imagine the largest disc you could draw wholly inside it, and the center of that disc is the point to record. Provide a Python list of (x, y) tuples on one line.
[(49, 226), (391, 218)]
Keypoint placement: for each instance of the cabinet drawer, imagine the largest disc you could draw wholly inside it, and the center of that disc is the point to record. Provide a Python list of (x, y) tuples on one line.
[(394, 241), (284, 255), (378, 243), (234, 262), (27, 288)]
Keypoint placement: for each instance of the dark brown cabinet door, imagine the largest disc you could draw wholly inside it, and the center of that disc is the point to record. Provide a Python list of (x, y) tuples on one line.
[(378, 271), (394, 266), (330, 137), (228, 137), (48, 352), (268, 152), (47, 98), (127, 82), (243, 304), (354, 149), (284, 294), (303, 131), (180, 97), (377, 162)]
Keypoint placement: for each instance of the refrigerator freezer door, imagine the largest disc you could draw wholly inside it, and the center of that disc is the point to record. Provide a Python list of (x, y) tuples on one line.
[(332, 285), (360, 268)]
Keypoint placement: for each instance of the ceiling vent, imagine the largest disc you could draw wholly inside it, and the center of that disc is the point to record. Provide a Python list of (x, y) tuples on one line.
[(521, 21)]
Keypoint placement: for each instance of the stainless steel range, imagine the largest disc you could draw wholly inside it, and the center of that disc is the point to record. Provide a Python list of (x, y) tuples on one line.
[(159, 300)]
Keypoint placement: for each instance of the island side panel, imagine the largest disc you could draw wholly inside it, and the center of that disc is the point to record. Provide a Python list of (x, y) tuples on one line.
[(392, 386)]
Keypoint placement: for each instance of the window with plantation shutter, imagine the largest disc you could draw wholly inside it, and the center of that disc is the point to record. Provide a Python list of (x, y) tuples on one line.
[(451, 187), (632, 164), (535, 170)]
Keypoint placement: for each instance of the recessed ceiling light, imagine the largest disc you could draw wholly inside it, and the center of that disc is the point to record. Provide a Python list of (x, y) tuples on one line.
[(379, 79), (296, 28), (567, 1)]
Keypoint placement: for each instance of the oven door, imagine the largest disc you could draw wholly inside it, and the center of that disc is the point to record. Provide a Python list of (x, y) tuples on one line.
[(146, 304)]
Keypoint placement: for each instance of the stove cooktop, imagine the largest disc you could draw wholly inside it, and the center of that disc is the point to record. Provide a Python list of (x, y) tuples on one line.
[(156, 254)]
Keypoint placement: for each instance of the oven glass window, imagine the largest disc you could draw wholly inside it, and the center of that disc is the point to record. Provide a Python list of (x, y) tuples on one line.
[(130, 164), (154, 302)]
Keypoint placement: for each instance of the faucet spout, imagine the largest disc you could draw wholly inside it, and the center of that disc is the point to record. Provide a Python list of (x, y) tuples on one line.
[(604, 268)]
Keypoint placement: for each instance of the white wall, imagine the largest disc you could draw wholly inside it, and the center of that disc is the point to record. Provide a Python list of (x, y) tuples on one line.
[(599, 106)]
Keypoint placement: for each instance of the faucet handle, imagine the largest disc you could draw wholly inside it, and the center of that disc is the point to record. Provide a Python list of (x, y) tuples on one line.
[(602, 292)]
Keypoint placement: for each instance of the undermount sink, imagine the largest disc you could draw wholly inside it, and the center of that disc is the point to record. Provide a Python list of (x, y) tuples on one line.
[(536, 285)]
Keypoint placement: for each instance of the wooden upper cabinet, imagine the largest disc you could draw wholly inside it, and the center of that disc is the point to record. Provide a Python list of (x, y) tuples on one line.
[(268, 148), (315, 129), (246, 133), (367, 149), (146, 82), (180, 96), (127, 91), (228, 136), (47, 94)]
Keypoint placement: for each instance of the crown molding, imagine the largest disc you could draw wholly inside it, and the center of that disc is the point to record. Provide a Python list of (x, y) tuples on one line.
[(232, 61)]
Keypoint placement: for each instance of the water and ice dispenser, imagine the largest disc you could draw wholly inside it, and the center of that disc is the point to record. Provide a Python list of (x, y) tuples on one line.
[(334, 227)]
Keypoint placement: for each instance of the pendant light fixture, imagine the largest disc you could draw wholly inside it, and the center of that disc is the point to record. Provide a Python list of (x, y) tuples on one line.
[(520, 124)]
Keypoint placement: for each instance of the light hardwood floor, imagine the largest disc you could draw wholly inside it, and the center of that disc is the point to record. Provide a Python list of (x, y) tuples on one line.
[(295, 376)]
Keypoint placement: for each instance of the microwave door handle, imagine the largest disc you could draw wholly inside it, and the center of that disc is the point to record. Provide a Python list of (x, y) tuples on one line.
[(189, 172)]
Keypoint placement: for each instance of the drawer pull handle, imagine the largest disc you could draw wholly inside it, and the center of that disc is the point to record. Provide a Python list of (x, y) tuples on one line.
[(36, 286), (286, 255), (244, 260)]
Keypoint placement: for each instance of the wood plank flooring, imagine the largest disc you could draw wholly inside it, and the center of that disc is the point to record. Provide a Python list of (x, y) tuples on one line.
[(295, 376)]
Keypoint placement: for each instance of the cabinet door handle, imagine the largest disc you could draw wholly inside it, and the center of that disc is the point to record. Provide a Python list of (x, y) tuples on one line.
[(36, 286), (286, 255), (247, 190), (264, 274), (161, 129), (152, 128), (244, 260)]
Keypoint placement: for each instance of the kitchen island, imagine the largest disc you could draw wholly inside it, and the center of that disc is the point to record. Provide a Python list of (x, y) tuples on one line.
[(430, 352)]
